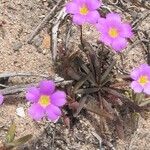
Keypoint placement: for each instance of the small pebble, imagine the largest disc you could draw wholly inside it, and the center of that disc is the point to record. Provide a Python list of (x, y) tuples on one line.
[(17, 46), (20, 112), (45, 145), (37, 41)]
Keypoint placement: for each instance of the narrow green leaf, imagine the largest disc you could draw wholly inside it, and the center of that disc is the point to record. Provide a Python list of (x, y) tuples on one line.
[(93, 107), (81, 105), (139, 97), (11, 133), (106, 73), (87, 91), (144, 103), (119, 128), (126, 100), (22, 140), (80, 82), (86, 69)]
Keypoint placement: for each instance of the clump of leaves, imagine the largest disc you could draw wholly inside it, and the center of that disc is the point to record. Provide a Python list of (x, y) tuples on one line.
[(11, 143), (95, 86)]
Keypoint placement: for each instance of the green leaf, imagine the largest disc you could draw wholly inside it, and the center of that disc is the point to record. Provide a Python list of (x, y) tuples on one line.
[(11, 133), (125, 100), (21, 140), (87, 90), (106, 73), (91, 77), (93, 107), (144, 103), (80, 82), (81, 105), (139, 97)]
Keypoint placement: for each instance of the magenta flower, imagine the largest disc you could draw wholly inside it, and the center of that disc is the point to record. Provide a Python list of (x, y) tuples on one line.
[(1, 99), (141, 77), (84, 11), (113, 32), (45, 101)]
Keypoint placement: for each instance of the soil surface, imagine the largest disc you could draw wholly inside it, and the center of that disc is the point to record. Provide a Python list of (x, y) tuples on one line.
[(18, 19)]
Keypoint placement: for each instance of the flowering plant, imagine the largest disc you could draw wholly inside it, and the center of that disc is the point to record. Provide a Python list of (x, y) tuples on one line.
[(141, 79), (45, 101), (84, 11), (113, 32), (92, 79)]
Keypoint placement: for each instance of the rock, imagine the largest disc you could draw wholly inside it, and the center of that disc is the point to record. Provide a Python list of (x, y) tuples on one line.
[(20, 112), (45, 145), (37, 41), (17, 46)]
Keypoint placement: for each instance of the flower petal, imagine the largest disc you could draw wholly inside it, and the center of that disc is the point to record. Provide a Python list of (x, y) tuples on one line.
[(32, 94), (47, 87), (101, 25), (92, 17), (114, 17), (135, 74), (58, 98), (126, 30), (1, 99), (79, 2), (105, 39), (72, 8), (144, 69), (119, 44), (36, 112), (53, 112), (78, 19), (147, 89), (144, 66), (93, 4), (136, 87)]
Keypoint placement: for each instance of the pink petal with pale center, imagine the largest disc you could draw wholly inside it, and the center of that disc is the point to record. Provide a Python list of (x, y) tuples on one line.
[(72, 8), (119, 44), (126, 30), (113, 17), (106, 39), (135, 74), (33, 94), (147, 89), (36, 112), (101, 24), (93, 4), (58, 98), (47, 87), (136, 87), (92, 17), (79, 2), (53, 112), (79, 19), (144, 69)]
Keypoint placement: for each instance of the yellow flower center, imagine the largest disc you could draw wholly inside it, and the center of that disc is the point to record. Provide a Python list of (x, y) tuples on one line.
[(44, 100), (84, 10), (143, 80), (113, 32)]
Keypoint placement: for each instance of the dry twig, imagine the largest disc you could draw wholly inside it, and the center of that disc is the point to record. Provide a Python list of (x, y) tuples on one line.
[(13, 74), (59, 19), (43, 23)]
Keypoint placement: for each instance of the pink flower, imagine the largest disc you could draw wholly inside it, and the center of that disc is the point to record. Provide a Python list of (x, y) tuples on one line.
[(45, 101), (113, 32), (84, 11), (141, 77), (1, 99)]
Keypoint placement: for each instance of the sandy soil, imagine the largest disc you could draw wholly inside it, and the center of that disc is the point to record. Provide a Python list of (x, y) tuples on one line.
[(17, 20)]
